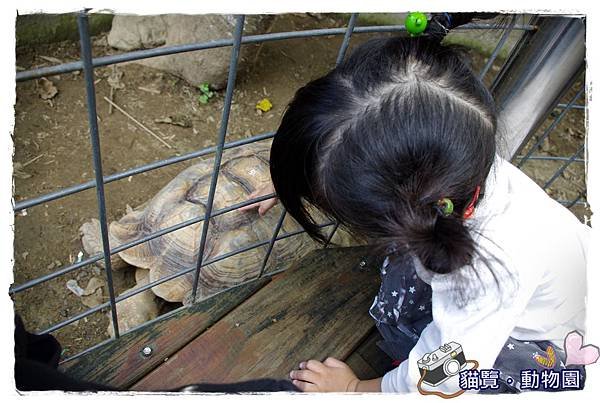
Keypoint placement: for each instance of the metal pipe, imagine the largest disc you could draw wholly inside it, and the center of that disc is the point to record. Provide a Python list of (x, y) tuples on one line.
[(88, 68), (171, 50), (530, 85)]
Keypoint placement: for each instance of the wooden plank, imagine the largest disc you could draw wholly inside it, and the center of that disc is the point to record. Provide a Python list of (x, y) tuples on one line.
[(120, 363), (360, 367), (373, 355), (317, 308)]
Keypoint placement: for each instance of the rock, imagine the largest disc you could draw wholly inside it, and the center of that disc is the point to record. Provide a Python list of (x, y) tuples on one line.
[(138, 32)]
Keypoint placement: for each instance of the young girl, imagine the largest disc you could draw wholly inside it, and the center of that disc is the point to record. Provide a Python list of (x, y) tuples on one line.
[(398, 144)]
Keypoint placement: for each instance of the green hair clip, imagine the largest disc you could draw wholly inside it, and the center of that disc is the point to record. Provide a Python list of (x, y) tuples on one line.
[(445, 206), (415, 23)]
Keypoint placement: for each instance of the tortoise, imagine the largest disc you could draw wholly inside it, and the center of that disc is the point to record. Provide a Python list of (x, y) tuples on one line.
[(243, 170)]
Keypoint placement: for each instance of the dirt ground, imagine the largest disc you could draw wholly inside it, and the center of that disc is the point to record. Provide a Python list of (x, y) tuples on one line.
[(52, 145)]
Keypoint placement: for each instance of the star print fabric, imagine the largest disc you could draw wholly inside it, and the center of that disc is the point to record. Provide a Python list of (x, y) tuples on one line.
[(402, 307)]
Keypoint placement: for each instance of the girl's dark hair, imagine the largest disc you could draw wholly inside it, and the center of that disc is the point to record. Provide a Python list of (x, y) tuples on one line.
[(375, 143)]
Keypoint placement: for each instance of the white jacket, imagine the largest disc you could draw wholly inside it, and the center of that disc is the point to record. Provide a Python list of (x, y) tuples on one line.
[(542, 279)]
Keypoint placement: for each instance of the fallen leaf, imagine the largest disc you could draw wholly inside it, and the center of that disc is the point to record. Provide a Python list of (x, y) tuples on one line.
[(46, 88), (264, 105)]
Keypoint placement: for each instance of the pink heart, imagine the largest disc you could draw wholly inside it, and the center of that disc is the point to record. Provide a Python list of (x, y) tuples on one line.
[(577, 353)]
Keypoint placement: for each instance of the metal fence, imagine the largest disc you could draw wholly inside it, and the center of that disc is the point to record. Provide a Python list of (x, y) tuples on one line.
[(88, 64)]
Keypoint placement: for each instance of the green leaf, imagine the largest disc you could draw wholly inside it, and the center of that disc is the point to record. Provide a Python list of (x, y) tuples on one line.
[(205, 88), (203, 99)]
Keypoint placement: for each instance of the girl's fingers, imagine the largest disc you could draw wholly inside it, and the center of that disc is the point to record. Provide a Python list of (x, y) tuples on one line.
[(305, 386), (305, 375), (314, 365), (334, 362)]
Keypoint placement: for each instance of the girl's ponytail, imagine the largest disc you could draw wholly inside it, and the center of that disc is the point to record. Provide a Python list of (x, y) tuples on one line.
[(442, 243)]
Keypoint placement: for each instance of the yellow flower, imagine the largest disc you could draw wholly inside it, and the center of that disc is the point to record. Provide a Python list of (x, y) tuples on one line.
[(264, 105)]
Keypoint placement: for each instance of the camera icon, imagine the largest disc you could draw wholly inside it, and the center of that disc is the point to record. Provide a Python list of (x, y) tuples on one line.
[(440, 365)]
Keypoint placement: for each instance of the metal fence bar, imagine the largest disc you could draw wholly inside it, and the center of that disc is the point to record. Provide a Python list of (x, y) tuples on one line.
[(161, 280), (576, 201), (550, 128), (498, 48), (23, 204), (235, 52), (549, 158), (272, 241), (171, 50), (563, 167), (122, 247), (346, 41), (571, 203), (580, 107), (86, 56)]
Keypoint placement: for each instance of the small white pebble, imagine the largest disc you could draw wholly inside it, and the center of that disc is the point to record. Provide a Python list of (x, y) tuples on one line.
[(79, 256)]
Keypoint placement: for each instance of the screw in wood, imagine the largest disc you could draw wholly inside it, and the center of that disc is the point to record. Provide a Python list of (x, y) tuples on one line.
[(147, 351)]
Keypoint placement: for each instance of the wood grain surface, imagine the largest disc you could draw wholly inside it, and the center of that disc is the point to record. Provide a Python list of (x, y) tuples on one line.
[(317, 308)]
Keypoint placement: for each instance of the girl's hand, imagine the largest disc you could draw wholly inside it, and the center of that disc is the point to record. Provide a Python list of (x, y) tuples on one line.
[(264, 205), (329, 376)]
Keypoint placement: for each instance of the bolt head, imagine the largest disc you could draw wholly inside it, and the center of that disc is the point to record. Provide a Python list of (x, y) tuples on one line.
[(147, 351)]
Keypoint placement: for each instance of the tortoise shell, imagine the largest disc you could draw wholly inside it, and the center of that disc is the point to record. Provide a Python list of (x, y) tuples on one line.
[(243, 170)]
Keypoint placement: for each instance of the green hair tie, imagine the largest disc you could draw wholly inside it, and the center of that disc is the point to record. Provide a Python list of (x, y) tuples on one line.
[(445, 206), (415, 23)]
